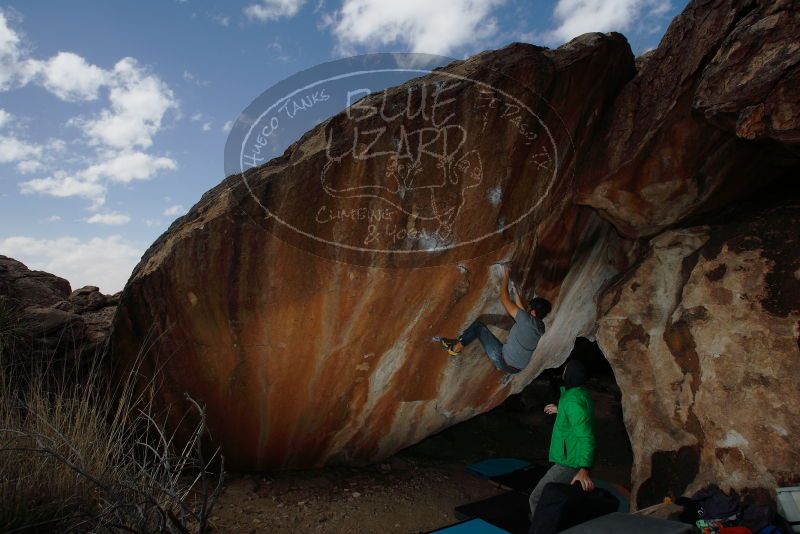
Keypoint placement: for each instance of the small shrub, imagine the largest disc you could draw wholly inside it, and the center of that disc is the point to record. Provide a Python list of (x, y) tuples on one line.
[(82, 455), (11, 333)]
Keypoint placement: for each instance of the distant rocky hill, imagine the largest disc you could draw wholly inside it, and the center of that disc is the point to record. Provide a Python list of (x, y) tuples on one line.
[(50, 319)]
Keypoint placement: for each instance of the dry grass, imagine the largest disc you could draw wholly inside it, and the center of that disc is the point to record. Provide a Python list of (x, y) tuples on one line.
[(77, 454)]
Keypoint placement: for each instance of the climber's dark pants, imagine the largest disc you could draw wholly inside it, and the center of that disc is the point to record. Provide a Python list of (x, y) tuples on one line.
[(492, 345)]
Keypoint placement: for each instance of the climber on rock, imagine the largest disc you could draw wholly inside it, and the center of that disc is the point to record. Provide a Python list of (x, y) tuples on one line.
[(513, 355)]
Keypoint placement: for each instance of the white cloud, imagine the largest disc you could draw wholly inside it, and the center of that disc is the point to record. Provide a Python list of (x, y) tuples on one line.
[(152, 222), (172, 211), (62, 184), (189, 77), (223, 20), (29, 166), (53, 218), (90, 183), (575, 17), (660, 7), (111, 218), (139, 102), (5, 118), (420, 25), (267, 10), (13, 149), (227, 126), (29, 157), (197, 117), (207, 126), (69, 76), (527, 37), (57, 145), (127, 167), (276, 49), (104, 262), (10, 54)]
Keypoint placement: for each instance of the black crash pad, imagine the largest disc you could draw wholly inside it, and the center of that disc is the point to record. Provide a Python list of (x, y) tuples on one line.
[(522, 480), (619, 523), (508, 511)]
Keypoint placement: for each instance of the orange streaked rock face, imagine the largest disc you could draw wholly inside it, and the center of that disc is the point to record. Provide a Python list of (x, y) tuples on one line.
[(307, 352)]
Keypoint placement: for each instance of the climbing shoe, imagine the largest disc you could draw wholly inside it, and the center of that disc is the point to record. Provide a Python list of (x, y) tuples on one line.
[(448, 345)]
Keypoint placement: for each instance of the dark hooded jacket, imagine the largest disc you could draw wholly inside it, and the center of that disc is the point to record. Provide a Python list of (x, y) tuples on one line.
[(573, 441)]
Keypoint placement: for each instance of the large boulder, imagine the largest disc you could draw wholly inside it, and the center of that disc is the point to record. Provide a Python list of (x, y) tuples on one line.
[(306, 353), (710, 117), (677, 141), (704, 339)]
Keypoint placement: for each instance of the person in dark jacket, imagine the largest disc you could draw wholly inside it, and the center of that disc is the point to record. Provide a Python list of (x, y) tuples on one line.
[(572, 445)]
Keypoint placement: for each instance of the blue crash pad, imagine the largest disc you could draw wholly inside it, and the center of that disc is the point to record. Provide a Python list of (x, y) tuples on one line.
[(496, 466), (473, 526)]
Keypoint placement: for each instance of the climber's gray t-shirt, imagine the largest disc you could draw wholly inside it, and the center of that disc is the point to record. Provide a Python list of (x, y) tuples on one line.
[(522, 339)]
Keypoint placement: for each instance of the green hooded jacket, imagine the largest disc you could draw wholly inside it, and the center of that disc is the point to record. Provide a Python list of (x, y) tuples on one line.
[(573, 441)]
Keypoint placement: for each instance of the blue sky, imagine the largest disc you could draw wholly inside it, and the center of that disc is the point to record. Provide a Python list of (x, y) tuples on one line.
[(113, 114)]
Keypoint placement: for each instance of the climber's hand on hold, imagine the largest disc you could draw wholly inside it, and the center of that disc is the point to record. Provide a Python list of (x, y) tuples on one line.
[(551, 409), (509, 305)]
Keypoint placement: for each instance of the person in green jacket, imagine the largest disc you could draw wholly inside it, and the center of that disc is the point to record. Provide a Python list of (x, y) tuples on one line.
[(573, 443)]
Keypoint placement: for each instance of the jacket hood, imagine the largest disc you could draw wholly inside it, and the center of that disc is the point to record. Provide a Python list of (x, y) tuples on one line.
[(575, 374)]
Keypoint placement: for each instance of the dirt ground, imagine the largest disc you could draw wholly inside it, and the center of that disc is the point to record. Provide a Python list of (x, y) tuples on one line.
[(417, 489), (397, 496)]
